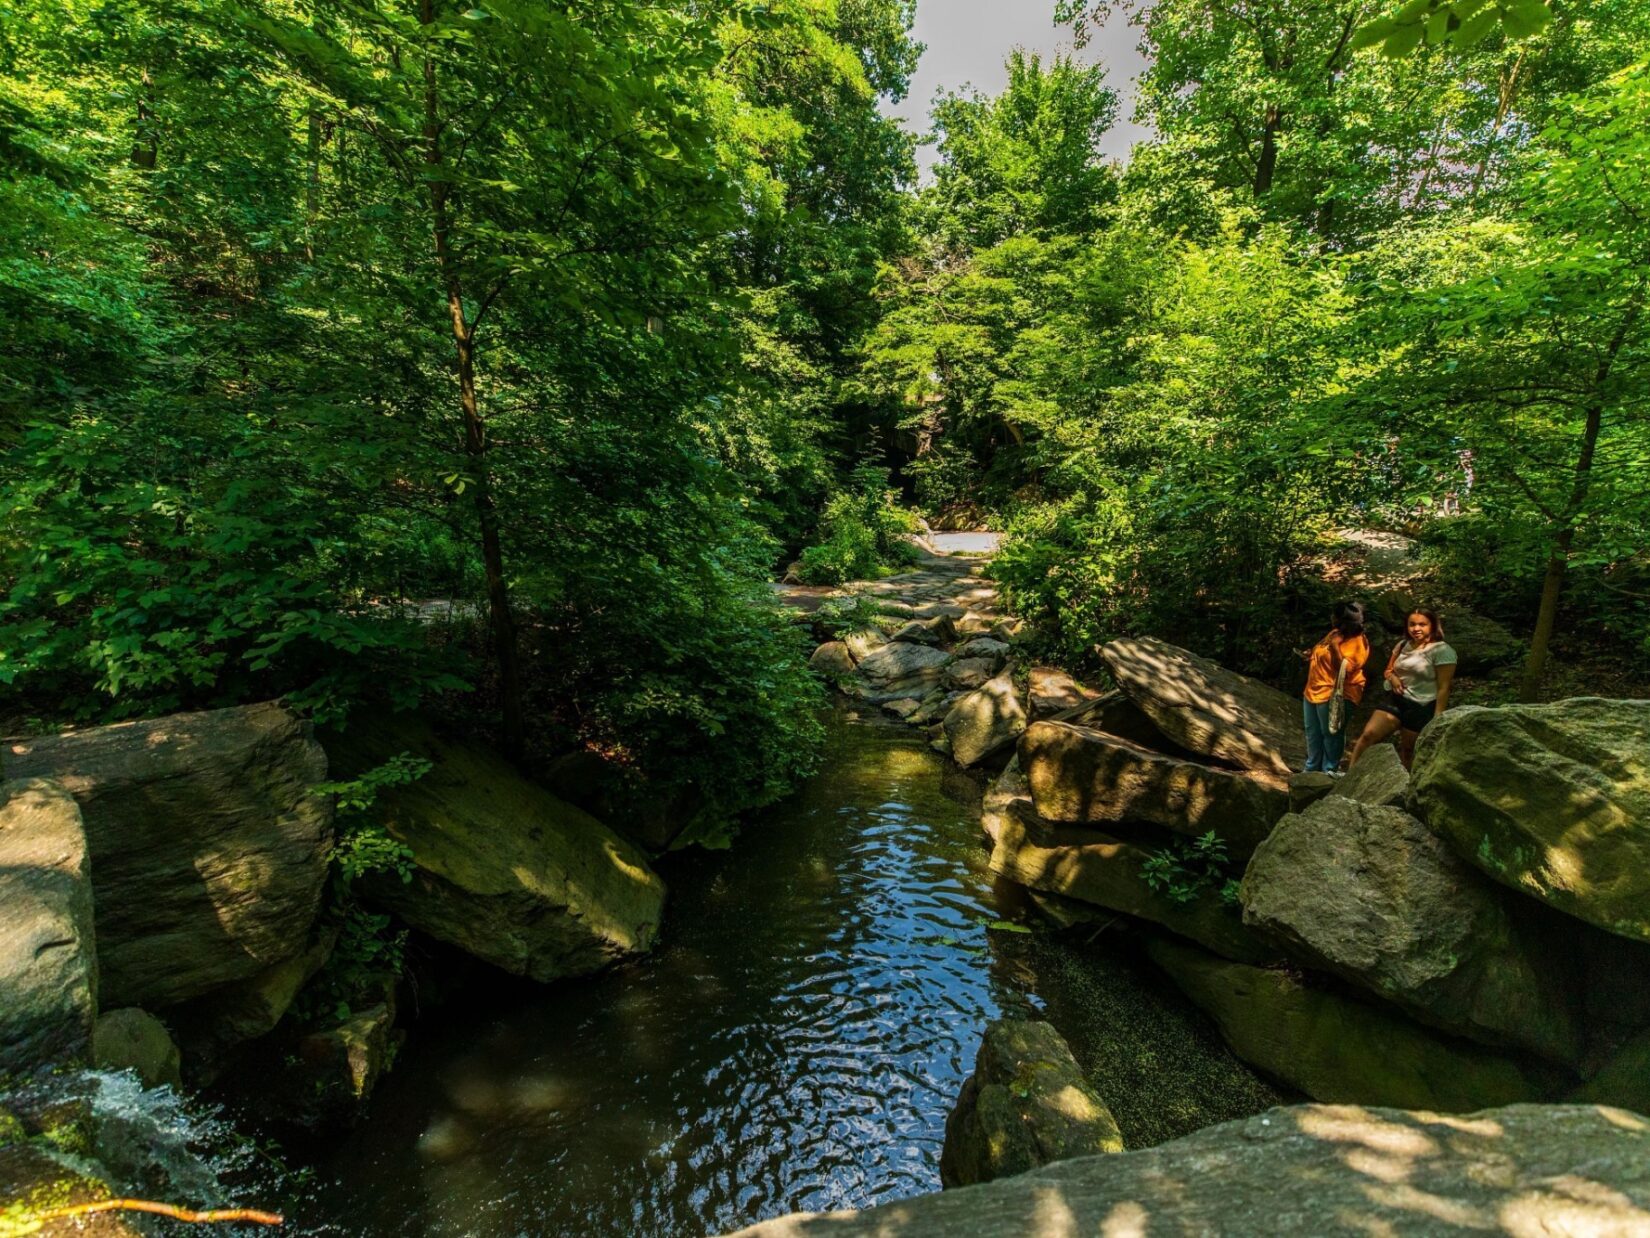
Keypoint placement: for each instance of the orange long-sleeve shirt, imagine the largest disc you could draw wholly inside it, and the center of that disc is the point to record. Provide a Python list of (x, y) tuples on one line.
[(1325, 664)]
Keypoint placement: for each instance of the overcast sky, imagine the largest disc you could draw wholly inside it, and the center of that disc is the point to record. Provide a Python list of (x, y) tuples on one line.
[(968, 40)]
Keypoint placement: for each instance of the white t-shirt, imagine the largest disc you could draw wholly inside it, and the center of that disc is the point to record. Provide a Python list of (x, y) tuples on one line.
[(1418, 667)]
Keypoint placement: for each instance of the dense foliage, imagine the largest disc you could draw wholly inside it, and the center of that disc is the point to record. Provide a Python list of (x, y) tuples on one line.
[(1339, 288), (496, 356), (333, 316)]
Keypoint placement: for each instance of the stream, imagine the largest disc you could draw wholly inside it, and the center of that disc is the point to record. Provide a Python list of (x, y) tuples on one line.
[(795, 1042)]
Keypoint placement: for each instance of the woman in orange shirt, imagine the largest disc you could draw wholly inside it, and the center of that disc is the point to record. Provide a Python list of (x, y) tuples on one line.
[(1338, 659)]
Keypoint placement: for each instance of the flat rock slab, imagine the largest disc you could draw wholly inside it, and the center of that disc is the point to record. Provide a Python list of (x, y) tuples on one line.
[(1372, 895), (1336, 1171), (503, 869), (902, 661), (1333, 1047), (1083, 775), (208, 845), (1082, 864), (48, 959), (1551, 800), (1208, 709), (1027, 1104)]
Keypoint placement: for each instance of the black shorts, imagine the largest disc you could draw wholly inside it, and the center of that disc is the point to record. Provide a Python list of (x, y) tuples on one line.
[(1411, 715)]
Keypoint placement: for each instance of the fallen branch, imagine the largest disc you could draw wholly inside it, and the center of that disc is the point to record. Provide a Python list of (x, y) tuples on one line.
[(165, 1210)]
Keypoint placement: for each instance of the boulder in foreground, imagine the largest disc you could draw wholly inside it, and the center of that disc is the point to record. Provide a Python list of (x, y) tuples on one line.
[(1026, 1104), (503, 869), (1209, 710), (208, 845), (1371, 894), (1082, 775), (48, 963), (1552, 800), (1325, 1170)]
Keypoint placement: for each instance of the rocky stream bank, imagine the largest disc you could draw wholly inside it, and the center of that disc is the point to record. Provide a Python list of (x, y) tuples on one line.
[(1467, 940)]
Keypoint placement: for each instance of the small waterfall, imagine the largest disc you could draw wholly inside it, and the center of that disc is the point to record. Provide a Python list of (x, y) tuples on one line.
[(155, 1143)]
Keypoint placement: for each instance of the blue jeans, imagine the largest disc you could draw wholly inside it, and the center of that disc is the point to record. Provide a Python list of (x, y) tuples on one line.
[(1323, 750)]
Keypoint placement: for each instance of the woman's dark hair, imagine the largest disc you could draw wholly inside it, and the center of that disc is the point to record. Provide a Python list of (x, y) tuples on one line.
[(1348, 618), (1431, 616)]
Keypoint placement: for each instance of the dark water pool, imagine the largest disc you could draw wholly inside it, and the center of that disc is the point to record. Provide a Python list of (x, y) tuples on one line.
[(794, 1044)]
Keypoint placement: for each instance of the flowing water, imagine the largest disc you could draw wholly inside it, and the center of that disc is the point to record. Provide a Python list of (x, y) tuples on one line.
[(793, 1044)]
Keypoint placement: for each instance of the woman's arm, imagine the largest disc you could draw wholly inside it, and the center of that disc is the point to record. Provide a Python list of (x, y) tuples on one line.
[(1446, 673)]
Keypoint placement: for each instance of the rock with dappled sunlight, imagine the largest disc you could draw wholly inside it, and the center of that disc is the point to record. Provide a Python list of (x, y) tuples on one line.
[(986, 721), (1552, 800), (1324, 1170), (502, 869), (1082, 775), (208, 844), (1052, 691), (1026, 1104), (1209, 710), (1371, 894)]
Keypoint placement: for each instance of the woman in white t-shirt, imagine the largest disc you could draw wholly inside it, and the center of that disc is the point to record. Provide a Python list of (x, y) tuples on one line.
[(1418, 677)]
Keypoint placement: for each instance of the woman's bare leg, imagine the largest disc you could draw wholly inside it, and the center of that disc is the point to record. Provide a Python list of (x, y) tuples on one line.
[(1378, 729), (1406, 746)]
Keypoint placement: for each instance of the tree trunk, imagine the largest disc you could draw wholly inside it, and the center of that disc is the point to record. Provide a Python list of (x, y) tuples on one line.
[(505, 648), (1558, 563), (1266, 165), (312, 193), (145, 148)]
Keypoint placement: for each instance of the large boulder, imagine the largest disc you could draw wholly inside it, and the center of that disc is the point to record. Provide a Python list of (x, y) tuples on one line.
[(1082, 864), (1372, 895), (1332, 1171), (502, 869), (1208, 709), (1308, 788), (1552, 800), (986, 721), (1082, 775), (1480, 642), (1378, 778), (1115, 714), (1335, 1048), (207, 840), (1026, 1104), (48, 963), (966, 674)]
